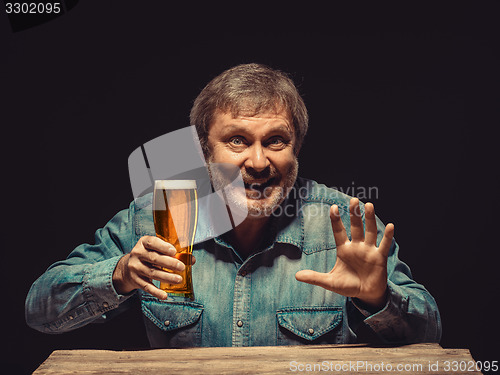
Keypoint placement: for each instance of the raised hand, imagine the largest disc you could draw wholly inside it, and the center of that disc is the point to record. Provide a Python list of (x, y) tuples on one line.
[(361, 267)]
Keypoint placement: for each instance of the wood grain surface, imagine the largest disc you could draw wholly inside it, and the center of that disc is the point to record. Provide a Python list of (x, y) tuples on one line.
[(355, 359)]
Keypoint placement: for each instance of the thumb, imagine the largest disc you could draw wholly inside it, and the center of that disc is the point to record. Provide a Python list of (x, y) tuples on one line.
[(323, 280)]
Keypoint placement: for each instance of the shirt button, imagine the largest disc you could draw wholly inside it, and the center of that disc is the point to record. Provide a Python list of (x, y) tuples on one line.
[(167, 323), (70, 317), (105, 305), (311, 331), (239, 323)]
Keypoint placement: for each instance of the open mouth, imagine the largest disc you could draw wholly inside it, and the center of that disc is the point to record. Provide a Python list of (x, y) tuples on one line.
[(260, 186)]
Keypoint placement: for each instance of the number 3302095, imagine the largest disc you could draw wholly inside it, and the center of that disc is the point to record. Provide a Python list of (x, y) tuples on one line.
[(33, 8)]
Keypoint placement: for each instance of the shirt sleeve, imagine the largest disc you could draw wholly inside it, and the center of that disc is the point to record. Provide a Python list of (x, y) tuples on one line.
[(410, 315), (79, 289)]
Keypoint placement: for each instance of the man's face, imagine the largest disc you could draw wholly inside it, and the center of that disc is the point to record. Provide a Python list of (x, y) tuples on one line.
[(262, 147)]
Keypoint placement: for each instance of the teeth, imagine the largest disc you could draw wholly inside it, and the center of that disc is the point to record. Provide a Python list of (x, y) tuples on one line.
[(257, 184)]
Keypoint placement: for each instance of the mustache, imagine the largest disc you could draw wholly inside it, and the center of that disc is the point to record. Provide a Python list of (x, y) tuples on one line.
[(249, 175)]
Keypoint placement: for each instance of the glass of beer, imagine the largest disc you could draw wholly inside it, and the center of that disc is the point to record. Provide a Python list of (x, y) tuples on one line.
[(175, 214)]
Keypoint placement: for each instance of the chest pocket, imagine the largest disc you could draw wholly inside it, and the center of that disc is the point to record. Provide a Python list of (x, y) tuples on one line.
[(309, 325), (180, 322)]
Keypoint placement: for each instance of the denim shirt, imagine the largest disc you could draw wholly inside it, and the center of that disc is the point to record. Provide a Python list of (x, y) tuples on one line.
[(238, 301)]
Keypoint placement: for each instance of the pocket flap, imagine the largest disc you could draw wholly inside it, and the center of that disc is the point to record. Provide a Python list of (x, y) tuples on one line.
[(309, 322), (171, 315)]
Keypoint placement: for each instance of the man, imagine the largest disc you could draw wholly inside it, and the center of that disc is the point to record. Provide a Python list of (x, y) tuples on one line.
[(307, 265)]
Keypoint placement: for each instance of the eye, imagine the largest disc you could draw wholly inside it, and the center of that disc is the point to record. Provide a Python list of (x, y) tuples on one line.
[(276, 142), (237, 141)]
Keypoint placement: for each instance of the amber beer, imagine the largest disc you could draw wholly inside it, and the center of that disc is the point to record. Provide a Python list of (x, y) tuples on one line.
[(175, 214)]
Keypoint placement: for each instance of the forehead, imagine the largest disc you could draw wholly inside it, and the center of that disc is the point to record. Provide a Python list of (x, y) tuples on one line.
[(225, 122)]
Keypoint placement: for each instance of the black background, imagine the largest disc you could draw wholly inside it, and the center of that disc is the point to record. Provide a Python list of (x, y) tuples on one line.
[(404, 99)]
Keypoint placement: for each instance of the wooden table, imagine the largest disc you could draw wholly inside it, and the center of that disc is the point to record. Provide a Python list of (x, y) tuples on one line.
[(325, 359)]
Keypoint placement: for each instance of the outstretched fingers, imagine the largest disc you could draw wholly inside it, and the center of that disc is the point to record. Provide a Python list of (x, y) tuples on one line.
[(385, 244), (370, 225), (315, 278), (357, 231), (339, 232)]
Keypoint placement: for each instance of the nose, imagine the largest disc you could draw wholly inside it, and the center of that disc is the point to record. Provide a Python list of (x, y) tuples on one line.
[(257, 158)]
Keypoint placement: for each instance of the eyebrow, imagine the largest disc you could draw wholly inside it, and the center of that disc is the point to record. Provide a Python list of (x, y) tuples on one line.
[(231, 127), (236, 128)]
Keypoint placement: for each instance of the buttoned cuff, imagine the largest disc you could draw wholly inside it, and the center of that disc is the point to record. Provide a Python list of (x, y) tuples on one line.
[(98, 288), (384, 320)]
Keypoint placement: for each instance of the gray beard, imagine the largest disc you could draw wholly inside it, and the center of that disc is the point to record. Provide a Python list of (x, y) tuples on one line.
[(256, 208)]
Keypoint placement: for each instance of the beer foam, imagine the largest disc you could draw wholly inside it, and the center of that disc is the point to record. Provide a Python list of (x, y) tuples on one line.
[(175, 184)]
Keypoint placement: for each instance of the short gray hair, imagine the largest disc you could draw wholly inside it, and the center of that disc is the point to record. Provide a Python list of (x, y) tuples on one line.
[(249, 90)]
